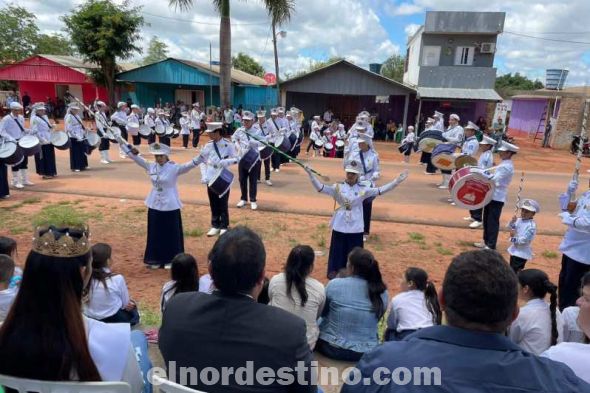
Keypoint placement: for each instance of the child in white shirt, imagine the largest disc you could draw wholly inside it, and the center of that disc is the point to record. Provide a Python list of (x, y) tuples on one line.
[(7, 293), (407, 144), (108, 297), (184, 275), (522, 233)]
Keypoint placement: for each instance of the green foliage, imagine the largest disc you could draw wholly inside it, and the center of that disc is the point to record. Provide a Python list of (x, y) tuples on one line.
[(157, 50), (279, 10), (54, 44), (314, 65), (196, 232), (508, 84), (60, 215), (245, 63), (18, 33), (393, 68), (150, 317), (549, 254), (416, 237), (443, 251)]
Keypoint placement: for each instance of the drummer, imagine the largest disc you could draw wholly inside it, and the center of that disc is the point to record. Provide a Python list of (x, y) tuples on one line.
[(485, 161), (328, 146), (294, 129), (185, 131), (314, 135), (264, 129), (245, 139), (501, 177), (340, 137), (196, 116), (217, 154), (164, 221), (408, 141), (133, 118), (275, 131), (44, 161), (76, 131), (150, 120), (425, 158), (12, 128), (454, 135), (162, 121), (102, 124), (347, 221), (119, 118)]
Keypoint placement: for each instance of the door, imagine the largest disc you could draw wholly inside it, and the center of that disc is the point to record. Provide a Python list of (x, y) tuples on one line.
[(75, 90), (188, 97)]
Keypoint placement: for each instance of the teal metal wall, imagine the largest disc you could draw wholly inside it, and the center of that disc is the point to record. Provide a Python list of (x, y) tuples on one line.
[(253, 97), (169, 71)]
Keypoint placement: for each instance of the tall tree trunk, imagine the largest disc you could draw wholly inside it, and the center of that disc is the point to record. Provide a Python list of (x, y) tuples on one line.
[(225, 54), (109, 79)]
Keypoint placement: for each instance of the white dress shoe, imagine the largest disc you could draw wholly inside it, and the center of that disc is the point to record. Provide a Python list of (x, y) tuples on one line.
[(268, 183), (253, 206), (213, 232), (468, 219), (222, 232), (480, 245), (475, 225), (241, 203)]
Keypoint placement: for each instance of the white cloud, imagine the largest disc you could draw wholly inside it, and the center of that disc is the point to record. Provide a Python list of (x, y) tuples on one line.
[(411, 29), (403, 9)]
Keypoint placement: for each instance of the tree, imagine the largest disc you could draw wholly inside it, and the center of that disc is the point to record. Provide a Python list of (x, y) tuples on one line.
[(157, 50), (223, 8), (54, 44), (393, 68), (245, 63), (18, 33), (102, 32), (316, 65), (508, 84)]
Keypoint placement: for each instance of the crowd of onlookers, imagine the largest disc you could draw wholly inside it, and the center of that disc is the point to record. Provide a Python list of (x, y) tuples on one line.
[(64, 318)]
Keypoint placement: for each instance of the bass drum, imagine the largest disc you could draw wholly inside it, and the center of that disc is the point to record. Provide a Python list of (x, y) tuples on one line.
[(30, 145), (470, 189), (221, 183), (11, 153), (145, 131), (443, 156), (429, 139)]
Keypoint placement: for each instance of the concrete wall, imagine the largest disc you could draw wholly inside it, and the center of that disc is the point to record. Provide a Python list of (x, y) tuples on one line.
[(457, 77), (449, 43), (414, 58), (464, 22), (569, 122)]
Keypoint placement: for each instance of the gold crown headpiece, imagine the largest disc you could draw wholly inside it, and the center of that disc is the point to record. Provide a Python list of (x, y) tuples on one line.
[(61, 242)]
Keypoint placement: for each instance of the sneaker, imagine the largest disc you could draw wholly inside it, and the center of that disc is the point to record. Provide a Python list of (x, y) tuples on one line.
[(268, 183), (468, 219), (453, 204), (18, 185), (222, 232), (241, 203), (168, 266), (213, 232), (442, 187), (153, 267), (480, 245), (277, 170), (104, 162), (253, 206), (430, 174), (449, 200), (76, 170), (475, 225)]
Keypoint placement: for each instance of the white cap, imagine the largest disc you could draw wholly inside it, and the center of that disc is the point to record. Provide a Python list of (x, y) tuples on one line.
[(471, 125), (505, 146), (364, 113), (196, 104), (100, 103), (159, 149), (430, 120), (121, 104), (352, 167), (317, 117), (530, 205), (411, 128), (487, 141), (134, 106), (15, 106), (273, 112), (247, 115), (213, 126), (74, 107), (151, 110), (364, 138), (438, 114), (455, 116), (261, 114), (341, 126), (40, 106)]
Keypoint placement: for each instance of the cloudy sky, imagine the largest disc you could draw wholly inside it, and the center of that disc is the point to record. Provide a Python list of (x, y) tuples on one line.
[(539, 34)]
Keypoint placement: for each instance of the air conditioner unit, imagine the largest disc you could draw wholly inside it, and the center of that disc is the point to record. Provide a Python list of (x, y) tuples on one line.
[(487, 47)]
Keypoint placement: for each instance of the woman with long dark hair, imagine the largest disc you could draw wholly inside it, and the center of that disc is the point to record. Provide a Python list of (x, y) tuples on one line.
[(571, 329), (295, 291), (538, 323), (354, 306), (45, 335), (184, 275), (416, 307)]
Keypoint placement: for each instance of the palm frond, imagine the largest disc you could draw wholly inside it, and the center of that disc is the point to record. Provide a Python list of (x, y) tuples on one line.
[(280, 11), (182, 5)]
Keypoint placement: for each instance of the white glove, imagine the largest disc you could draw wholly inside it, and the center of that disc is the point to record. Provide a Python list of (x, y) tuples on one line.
[(403, 176), (203, 181), (572, 187), (567, 218)]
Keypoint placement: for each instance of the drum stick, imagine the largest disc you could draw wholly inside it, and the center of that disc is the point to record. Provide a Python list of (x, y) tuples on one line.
[(296, 161), (518, 193)]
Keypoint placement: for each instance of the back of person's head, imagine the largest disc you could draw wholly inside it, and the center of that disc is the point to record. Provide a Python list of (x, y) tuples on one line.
[(7, 246), (101, 254), (419, 278), (6, 268), (185, 273), (299, 265), (44, 336), (263, 297), (480, 291), (237, 261), (539, 286), (363, 264), (585, 281)]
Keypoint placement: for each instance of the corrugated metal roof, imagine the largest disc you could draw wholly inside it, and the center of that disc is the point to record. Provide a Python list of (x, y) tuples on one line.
[(80, 65), (237, 76), (461, 94)]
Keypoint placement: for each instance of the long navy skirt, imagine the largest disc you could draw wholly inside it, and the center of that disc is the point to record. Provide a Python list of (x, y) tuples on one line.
[(78, 159), (341, 245), (45, 161), (4, 190), (164, 236)]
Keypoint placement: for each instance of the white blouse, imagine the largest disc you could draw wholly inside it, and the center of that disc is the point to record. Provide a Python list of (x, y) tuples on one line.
[(105, 302), (571, 330), (532, 329), (573, 355), (409, 311)]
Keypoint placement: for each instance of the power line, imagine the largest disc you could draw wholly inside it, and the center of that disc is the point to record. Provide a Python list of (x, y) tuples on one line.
[(200, 22), (555, 32), (547, 39)]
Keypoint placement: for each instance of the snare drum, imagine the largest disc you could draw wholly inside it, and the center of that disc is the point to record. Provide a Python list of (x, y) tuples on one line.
[(92, 139), (169, 131), (265, 152), (30, 145), (221, 183), (11, 153), (470, 190), (339, 145), (318, 144), (465, 160), (429, 140), (443, 156), (250, 159), (160, 130), (283, 144), (145, 131), (60, 140), (328, 147), (133, 128)]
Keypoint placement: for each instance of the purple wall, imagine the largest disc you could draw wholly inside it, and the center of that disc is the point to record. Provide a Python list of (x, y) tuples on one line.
[(525, 115)]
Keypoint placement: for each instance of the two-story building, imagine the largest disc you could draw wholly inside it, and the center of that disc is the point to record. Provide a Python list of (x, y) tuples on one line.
[(450, 62)]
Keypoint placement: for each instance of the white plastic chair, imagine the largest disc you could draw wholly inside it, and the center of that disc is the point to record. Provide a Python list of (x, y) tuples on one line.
[(22, 385), (166, 386)]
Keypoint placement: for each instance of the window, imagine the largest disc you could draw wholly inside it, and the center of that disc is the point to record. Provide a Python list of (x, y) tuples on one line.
[(464, 55), (431, 56)]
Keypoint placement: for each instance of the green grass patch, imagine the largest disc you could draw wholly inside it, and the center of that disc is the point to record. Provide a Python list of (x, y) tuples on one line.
[(321, 241), (31, 200), (63, 203), (322, 227), (195, 232), (62, 216), (292, 242), (150, 317), (18, 230), (438, 244), (139, 210), (443, 251), (416, 237), (549, 254), (464, 243)]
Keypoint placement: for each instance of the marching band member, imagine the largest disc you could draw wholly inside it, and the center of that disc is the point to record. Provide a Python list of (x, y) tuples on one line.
[(292, 129), (162, 121), (284, 125), (248, 172), (4, 189), (134, 117), (327, 138), (370, 172), (454, 135), (347, 221), (76, 131), (439, 121), (575, 245), (470, 146), (12, 128), (164, 222), (352, 146), (314, 135), (425, 158), (522, 233), (120, 119), (218, 153), (340, 136), (150, 120), (275, 132), (264, 130), (365, 118), (196, 116), (185, 131), (102, 126), (44, 161), (408, 141), (491, 212), (485, 161)]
